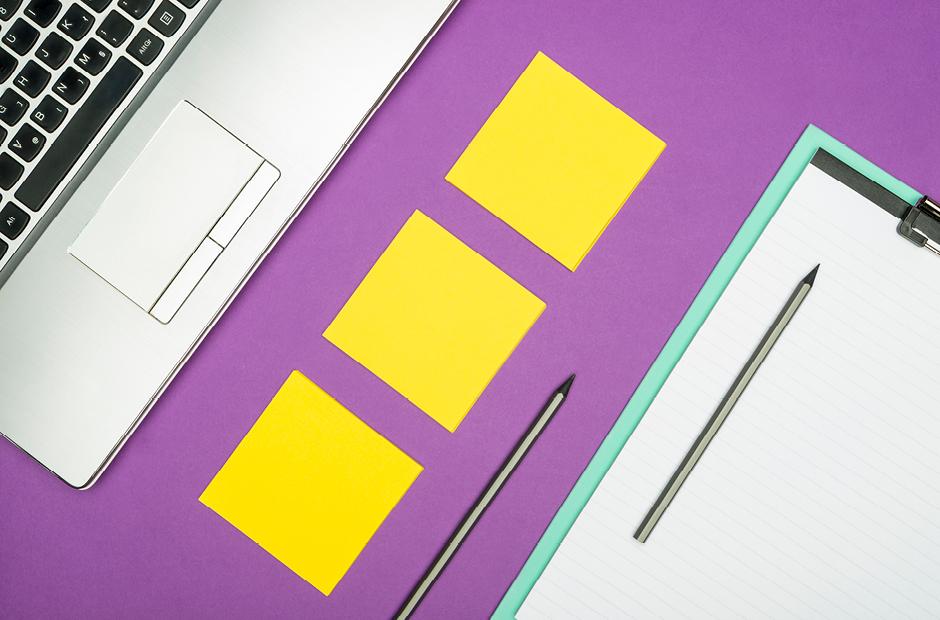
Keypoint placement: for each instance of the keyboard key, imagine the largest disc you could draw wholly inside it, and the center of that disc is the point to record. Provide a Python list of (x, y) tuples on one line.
[(49, 114), (54, 51), (136, 8), (10, 171), (145, 47), (13, 220), (3, 248), (97, 5), (78, 133), (115, 29), (71, 85), (94, 57), (167, 19), (43, 11), (12, 106), (189, 3), (27, 142), (8, 8), (8, 64), (76, 22), (3, 134), (32, 78), (21, 37)]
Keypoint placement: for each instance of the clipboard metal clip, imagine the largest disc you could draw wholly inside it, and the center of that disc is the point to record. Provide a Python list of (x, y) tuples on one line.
[(921, 225)]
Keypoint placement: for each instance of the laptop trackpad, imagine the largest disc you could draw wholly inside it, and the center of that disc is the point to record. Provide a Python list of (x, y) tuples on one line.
[(174, 210)]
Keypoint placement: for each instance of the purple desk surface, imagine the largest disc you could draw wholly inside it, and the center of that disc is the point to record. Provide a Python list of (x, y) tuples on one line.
[(728, 87)]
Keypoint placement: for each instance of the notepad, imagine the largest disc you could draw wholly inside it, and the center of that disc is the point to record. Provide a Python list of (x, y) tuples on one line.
[(555, 161), (820, 494), (434, 320), (310, 483)]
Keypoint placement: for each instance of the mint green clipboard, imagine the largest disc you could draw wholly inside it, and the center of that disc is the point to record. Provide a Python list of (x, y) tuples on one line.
[(811, 140)]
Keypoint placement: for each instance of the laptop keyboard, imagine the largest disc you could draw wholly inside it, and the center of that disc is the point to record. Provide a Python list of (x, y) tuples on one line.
[(66, 71)]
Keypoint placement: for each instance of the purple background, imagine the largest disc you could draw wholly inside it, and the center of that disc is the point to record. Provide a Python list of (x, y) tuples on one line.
[(729, 87)]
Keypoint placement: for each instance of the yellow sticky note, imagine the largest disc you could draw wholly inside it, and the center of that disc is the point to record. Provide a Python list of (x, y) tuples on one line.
[(555, 161), (310, 483), (434, 320)]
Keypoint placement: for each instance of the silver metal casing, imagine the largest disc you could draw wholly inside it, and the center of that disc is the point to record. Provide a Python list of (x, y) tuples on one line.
[(294, 80)]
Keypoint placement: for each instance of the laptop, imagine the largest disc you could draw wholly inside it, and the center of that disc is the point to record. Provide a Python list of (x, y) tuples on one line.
[(151, 152)]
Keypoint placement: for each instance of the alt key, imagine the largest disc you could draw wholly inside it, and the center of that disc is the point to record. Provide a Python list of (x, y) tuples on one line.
[(145, 47), (13, 221)]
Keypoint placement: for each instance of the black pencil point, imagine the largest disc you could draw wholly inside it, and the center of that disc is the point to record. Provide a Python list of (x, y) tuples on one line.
[(811, 276), (566, 385)]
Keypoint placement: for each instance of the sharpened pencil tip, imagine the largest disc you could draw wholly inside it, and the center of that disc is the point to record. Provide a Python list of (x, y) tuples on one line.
[(563, 389), (811, 276)]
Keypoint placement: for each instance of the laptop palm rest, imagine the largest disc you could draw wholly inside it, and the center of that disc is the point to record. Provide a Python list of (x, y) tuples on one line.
[(174, 211)]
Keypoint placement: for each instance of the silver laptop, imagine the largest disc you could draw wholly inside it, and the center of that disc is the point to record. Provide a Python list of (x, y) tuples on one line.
[(152, 152)]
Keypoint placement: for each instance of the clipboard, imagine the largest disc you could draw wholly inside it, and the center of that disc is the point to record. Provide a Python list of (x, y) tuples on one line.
[(918, 221)]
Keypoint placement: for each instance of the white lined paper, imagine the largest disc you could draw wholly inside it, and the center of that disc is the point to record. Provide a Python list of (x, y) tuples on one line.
[(820, 496)]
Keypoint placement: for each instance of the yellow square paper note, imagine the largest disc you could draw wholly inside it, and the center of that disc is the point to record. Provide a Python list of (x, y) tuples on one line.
[(434, 320), (310, 483), (555, 161)]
